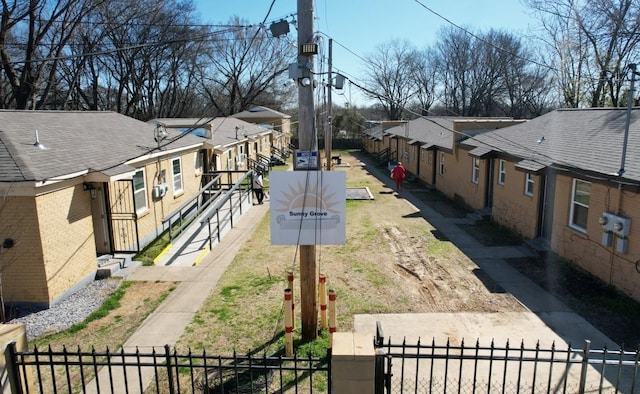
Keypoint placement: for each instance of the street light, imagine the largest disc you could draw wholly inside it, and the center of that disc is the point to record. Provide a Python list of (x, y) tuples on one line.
[(160, 133)]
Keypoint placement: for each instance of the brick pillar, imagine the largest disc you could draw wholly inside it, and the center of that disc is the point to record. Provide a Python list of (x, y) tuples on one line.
[(16, 333), (353, 363)]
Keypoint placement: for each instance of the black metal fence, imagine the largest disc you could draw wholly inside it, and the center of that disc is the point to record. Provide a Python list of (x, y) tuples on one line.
[(164, 371), (431, 368)]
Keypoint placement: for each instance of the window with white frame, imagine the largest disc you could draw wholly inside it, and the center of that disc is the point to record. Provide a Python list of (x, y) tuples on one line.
[(529, 182), (441, 163), (502, 171), (580, 197), (198, 160), (176, 172), (430, 157), (475, 172), (139, 191)]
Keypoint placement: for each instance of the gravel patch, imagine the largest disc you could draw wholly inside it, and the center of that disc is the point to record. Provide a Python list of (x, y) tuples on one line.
[(72, 310)]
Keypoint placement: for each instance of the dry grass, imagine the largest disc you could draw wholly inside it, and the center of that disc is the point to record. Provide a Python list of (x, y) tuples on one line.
[(139, 300)]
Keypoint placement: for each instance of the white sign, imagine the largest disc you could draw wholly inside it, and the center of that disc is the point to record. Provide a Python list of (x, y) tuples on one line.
[(306, 159), (308, 207)]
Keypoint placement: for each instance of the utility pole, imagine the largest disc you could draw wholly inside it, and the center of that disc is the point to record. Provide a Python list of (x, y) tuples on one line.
[(308, 141), (328, 134)]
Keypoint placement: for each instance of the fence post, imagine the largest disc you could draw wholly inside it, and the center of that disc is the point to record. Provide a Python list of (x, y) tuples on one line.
[(380, 357), (12, 368), (353, 363), (585, 364), (167, 352)]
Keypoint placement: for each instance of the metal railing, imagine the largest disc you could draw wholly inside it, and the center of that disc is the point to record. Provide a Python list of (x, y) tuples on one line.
[(222, 211), (178, 220), (162, 371), (431, 368)]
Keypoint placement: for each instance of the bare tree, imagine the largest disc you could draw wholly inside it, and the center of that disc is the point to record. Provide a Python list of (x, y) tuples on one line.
[(488, 74), (247, 67), (389, 76), (43, 28), (424, 77), (593, 41)]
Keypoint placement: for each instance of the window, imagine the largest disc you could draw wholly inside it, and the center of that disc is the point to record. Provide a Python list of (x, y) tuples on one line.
[(529, 181), (139, 191), (441, 163), (502, 172), (580, 204), (475, 173), (199, 159), (176, 171)]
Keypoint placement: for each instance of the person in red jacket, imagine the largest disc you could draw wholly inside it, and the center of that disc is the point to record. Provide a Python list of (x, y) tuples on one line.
[(398, 173)]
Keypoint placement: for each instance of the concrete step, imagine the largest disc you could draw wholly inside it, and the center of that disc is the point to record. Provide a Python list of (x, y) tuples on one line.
[(118, 265), (539, 245)]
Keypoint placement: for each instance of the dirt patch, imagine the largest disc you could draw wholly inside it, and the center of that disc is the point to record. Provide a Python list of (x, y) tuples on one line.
[(445, 282)]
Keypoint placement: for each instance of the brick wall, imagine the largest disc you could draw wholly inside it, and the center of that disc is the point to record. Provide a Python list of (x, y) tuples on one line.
[(512, 208), (456, 181), (23, 273), (68, 244), (586, 249)]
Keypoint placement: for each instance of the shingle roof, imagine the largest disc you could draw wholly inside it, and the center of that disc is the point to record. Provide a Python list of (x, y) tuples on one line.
[(586, 139), (76, 141), (259, 112), (431, 131)]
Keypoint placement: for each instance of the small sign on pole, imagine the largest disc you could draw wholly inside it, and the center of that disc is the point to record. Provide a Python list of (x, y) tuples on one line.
[(306, 160)]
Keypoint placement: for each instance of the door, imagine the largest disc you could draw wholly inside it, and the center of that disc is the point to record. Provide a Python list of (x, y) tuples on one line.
[(545, 216), (123, 219), (101, 232)]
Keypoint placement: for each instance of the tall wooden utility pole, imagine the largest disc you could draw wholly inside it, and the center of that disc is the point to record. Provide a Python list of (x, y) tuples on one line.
[(308, 141)]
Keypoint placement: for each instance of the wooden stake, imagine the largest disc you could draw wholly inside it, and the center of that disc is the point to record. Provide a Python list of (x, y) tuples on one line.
[(288, 324), (332, 315), (293, 298), (322, 290)]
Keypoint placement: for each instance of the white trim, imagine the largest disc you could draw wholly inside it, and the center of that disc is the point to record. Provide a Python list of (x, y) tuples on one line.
[(178, 176), (475, 170), (441, 168), (573, 203), (140, 210), (529, 180), (502, 171), (163, 153)]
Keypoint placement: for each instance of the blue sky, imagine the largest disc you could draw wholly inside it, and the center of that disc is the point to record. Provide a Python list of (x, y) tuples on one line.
[(361, 25)]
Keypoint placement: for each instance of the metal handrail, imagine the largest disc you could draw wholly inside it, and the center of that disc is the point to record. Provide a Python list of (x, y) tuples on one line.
[(215, 209), (188, 205)]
